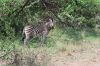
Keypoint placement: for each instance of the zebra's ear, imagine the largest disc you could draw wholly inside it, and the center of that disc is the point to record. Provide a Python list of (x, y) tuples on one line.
[(46, 24), (50, 20)]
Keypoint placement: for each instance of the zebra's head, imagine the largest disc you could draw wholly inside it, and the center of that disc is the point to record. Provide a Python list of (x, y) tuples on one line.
[(50, 24)]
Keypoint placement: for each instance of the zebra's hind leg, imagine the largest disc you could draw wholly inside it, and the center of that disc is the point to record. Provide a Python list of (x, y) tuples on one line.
[(23, 37)]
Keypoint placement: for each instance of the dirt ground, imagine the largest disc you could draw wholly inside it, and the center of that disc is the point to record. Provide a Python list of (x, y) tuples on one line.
[(76, 58), (73, 59), (82, 57)]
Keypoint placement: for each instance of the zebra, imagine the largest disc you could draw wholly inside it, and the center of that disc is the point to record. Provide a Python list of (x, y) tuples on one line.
[(40, 30)]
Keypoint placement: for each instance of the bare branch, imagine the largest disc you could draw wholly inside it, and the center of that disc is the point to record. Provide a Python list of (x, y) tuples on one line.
[(20, 9), (26, 3), (32, 4)]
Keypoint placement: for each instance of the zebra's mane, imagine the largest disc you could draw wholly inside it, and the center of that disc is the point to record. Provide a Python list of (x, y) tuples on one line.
[(42, 22), (38, 24)]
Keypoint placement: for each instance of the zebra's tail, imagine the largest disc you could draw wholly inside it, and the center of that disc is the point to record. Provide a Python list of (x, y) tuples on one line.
[(23, 35)]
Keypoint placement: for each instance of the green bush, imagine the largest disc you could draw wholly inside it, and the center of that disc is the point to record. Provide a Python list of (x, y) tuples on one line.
[(69, 11)]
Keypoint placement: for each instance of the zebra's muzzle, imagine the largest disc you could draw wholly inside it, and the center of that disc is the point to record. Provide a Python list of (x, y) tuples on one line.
[(52, 27)]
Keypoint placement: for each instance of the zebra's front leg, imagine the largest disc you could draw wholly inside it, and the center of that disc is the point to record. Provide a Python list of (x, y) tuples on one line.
[(43, 39), (26, 40), (44, 36)]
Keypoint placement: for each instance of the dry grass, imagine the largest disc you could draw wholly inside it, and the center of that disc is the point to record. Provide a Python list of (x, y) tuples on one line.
[(60, 46), (72, 51)]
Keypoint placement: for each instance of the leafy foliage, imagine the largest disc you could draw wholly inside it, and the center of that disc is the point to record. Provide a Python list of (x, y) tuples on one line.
[(15, 14)]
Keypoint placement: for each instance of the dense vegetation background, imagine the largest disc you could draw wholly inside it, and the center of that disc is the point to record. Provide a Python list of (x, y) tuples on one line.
[(15, 14), (74, 19)]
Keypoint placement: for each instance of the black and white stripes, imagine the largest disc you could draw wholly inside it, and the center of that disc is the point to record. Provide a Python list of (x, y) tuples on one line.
[(40, 30)]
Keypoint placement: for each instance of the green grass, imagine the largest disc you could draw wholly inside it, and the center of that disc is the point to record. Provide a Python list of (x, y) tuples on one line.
[(57, 35), (68, 41), (58, 41)]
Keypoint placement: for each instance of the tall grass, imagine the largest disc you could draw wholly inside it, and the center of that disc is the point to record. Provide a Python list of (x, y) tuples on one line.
[(57, 35), (58, 40)]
